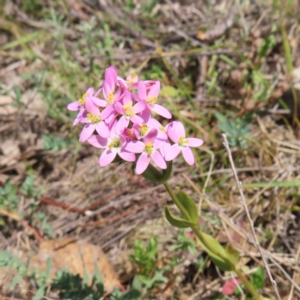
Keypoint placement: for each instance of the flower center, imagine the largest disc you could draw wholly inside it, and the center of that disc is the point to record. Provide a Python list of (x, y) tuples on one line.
[(149, 147), (151, 100), (183, 142), (129, 110), (93, 118), (131, 79), (128, 132), (144, 129), (162, 128), (110, 98), (82, 99), (114, 143)]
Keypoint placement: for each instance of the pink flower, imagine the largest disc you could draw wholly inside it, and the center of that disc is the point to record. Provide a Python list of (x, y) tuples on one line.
[(230, 286), (80, 104), (151, 98), (182, 144), (94, 121), (148, 150), (111, 92), (130, 83), (113, 145), (129, 112)]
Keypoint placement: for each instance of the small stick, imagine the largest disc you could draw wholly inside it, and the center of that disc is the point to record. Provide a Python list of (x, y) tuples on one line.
[(243, 201)]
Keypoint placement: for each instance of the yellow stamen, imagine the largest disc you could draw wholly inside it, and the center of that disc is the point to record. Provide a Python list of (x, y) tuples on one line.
[(152, 100), (183, 142), (129, 110), (115, 143), (110, 98), (93, 118), (82, 99), (131, 80), (143, 129), (162, 128), (149, 147)]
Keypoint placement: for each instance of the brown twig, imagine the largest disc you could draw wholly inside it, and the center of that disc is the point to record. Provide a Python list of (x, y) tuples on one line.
[(17, 218), (243, 201)]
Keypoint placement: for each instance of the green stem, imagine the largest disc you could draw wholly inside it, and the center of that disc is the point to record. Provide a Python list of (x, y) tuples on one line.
[(198, 233)]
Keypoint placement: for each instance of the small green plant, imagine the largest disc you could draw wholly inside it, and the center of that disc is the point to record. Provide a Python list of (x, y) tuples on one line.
[(184, 242), (9, 199), (236, 129), (54, 143), (42, 220), (146, 260)]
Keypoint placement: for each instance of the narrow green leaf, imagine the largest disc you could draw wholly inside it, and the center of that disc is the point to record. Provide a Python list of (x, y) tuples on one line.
[(190, 207), (40, 293), (22, 40), (219, 255), (293, 183), (232, 254), (176, 221), (16, 280)]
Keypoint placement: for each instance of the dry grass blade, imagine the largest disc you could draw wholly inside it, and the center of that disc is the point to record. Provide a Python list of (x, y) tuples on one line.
[(243, 200)]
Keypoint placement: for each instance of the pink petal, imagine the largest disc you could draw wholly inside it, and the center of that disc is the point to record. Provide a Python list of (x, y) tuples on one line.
[(127, 99), (164, 148), (135, 147), (90, 91), (146, 114), (178, 128), (161, 111), (102, 129), (151, 136), (86, 132), (91, 106), (188, 155), (97, 141), (121, 124), (193, 142), (99, 102), (142, 91), (136, 120), (127, 156), (158, 159), (142, 163), (140, 106), (230, 286), (98, 92), (107, 111), (172, 152), (74, 106), (172, 135), (154, 90), (110, 77), (107, 157), (119, 108), (79, 117)]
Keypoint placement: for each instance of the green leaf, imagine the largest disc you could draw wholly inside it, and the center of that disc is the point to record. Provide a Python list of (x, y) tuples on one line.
[(232, 254), (16, 280), (176, 221), (39, 294), (258, 278), (218, 256), (190, 207), (293, 183)]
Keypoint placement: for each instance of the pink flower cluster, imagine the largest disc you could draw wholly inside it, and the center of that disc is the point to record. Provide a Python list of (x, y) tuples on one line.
[(120, 113)]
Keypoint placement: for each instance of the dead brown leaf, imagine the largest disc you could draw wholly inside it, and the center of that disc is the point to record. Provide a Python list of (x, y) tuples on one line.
[(76, 256)]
